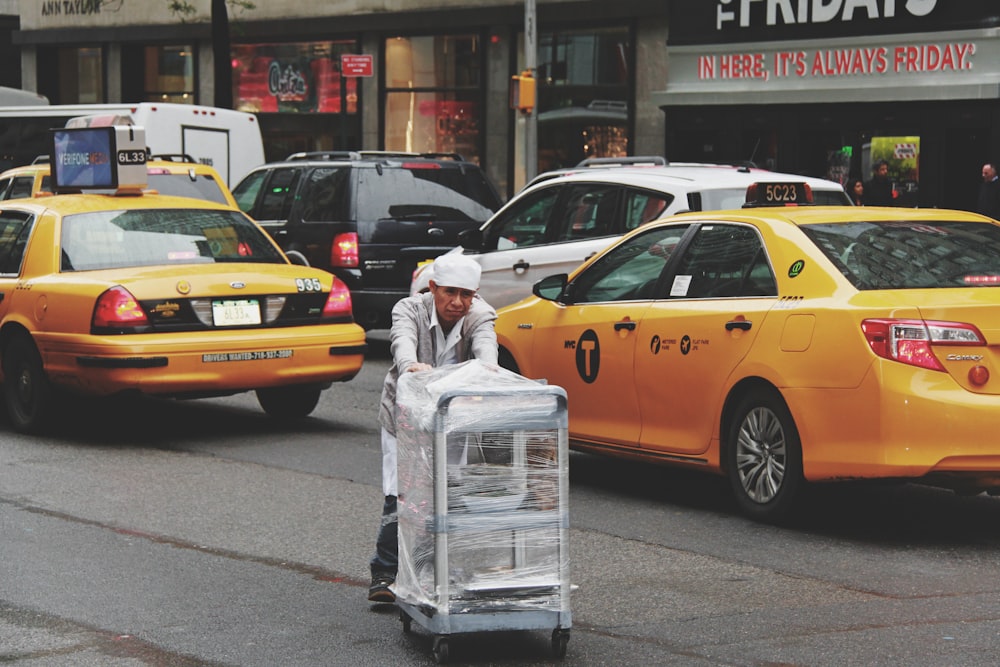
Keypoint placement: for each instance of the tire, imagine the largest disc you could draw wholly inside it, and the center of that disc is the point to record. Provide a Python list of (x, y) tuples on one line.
[(764, 457), (439, 648), (27, 393), (294, 402)]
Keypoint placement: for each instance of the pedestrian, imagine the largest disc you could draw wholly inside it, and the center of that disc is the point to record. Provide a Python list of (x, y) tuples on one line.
[(449, 324), (989, 192), (878, 191), (855, 189)]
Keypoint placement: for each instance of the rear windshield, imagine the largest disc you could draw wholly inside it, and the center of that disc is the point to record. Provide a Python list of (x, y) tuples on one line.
[(730, 198), (425, 193), (154, 237), (187, 185), (907, 255)]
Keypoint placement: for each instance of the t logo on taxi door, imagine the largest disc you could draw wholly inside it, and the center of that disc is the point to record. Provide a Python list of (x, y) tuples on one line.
[(588, 356)]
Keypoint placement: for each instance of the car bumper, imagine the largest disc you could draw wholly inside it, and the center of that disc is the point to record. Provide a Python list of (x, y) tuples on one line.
[(373, 308), (206, 362), (901, 422)]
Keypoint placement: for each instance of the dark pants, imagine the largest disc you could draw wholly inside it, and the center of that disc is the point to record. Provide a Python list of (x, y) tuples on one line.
[(386, 558)]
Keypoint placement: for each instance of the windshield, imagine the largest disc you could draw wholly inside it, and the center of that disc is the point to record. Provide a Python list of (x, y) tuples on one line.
[(435, 194), (154, 237), (907, 255)]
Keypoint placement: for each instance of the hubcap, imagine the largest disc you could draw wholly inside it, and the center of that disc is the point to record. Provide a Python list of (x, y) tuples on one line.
[(760, 455)]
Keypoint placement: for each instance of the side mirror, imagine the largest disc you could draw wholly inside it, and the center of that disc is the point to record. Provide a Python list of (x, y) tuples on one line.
[(471, 239), (552, 288)]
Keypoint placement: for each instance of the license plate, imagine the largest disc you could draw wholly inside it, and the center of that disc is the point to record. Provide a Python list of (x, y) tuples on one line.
[(231, 313)]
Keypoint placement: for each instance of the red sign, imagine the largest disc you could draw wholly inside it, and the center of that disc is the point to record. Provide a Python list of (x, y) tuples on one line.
[(356, 65)]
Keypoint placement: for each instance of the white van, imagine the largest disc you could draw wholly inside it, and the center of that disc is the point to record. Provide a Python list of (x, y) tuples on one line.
[(225, 139)]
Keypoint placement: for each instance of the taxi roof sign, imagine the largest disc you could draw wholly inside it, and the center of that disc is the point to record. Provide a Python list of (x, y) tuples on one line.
[(99, 158), (784, 193)]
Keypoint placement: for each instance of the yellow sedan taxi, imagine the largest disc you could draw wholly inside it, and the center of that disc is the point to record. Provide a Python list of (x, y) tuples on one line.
[(166, 174), (781, 345), (102, 294)]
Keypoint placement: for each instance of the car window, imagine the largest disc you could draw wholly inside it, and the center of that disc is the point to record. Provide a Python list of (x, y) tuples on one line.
[(4, 184), (151, 237), (524, 223), (908, 255), (201, 186), (279, 195), (642, 206), (325, 194), (631, 270), (723, 260), (15, 227), (247, 190), (415, 194), (590, 212), (22, 187)]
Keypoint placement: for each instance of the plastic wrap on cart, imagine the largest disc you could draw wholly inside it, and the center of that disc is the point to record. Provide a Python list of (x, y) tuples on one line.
[(502, 515)]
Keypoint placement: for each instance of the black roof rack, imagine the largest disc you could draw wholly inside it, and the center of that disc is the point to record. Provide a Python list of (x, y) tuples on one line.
[(653, 160), (370, 155)]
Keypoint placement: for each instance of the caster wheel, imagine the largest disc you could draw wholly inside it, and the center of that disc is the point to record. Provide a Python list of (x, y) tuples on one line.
[(560, 638), (407, 622), (440, 650)]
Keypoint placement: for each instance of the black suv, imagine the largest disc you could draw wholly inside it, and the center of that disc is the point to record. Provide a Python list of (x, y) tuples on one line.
[(369, 216)]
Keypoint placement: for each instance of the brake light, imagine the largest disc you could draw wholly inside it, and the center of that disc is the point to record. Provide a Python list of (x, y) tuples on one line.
[(117, 308), (912, 341), (344, 252), (338, 303)]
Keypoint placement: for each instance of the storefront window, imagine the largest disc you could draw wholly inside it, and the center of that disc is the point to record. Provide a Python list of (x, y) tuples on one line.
[(300, 77), (169, 74), (81, 75), (583, 95), (433, 95)]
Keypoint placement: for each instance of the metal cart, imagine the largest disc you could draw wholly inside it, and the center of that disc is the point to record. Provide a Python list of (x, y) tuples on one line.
[(483, 514)]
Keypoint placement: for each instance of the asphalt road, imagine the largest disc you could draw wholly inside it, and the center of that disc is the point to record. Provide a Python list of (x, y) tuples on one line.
[(203, 533)]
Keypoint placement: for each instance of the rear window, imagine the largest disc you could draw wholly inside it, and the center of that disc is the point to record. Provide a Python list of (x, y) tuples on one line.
[(909, 255), (156, 237), (187, 185), (431, 193)]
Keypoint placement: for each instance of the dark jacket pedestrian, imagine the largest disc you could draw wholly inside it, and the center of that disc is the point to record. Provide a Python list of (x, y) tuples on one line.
[(878, 191), (989, 193)]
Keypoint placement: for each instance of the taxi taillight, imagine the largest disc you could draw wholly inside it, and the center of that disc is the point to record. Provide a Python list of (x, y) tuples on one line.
[(338, 302), (912, 341), (116, 308), (344, 252)]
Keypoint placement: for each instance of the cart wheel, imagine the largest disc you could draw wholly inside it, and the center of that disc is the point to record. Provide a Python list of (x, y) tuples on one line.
[(440, 650), (560, 638), (407, 621)]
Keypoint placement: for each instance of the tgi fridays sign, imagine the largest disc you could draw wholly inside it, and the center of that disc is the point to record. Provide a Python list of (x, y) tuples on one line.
[(790, 50)]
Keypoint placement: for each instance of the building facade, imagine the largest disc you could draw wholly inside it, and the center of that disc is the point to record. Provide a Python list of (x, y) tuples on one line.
[(420, 75), (819, 87)]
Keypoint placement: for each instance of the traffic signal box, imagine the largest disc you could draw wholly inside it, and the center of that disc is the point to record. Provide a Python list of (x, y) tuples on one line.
[(522, 92)]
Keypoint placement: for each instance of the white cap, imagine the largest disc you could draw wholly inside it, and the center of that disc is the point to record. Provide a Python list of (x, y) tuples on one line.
[(456, 270)]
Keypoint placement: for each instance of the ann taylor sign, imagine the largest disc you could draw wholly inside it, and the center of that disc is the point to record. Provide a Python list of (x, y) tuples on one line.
[(781, 51)]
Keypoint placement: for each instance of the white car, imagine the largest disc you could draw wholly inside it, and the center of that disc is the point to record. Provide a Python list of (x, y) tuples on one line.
[(561, 219)]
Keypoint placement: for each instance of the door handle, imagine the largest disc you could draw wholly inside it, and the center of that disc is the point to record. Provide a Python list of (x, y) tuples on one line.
[(743, 325), (626, 325), (521, 265)]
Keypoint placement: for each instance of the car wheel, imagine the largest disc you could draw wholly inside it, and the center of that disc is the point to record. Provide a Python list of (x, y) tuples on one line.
[(294, 402), (764, 457), (27, 392)]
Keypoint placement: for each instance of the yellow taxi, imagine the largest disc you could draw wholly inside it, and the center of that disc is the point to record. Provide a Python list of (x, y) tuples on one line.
[(102, 294), (175, 175), (781, 345)]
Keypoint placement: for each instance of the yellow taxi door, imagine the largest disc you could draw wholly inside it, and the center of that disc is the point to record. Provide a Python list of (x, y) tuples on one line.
[(693, 337), (589, 352), (590, 343)]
